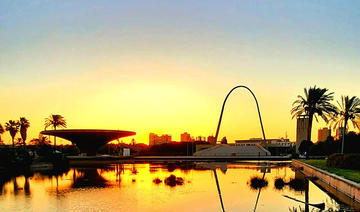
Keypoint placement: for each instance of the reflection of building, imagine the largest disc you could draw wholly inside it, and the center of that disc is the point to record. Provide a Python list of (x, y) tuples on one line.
[(211, 139), (302, 124), (323, 134), (339, 133), (158, 139), (185, 137)]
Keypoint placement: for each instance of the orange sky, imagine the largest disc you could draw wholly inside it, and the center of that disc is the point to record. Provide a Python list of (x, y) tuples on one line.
[(107, 100), (167, 68)]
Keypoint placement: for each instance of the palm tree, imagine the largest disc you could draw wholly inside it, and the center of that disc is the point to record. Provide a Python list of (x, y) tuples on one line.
[(2, 130), (55, 121), (349, 109), (24, 125), (13, 128), (315, 103)]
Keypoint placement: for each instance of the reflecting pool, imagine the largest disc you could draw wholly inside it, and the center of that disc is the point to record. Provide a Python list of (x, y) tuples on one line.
[(242, 186)]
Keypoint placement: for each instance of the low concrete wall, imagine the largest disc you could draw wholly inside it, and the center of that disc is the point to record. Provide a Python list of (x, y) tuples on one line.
[(347, 187)]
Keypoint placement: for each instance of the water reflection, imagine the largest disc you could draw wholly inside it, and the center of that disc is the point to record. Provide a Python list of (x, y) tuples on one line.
[(88, 178), (157, 181), (27, 186), (173, 181), (16, 188), (165, 187), (219, 190), (295, 184), (258, 183)]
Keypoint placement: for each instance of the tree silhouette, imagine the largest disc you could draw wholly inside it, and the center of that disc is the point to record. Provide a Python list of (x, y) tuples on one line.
[(2, 130), (42, 140), (13, 128), (55, 121), (316, 102), (349, 109), (24, 125)]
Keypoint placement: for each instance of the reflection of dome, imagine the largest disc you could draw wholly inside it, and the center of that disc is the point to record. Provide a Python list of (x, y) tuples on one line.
[(89, 178), (89, 141)]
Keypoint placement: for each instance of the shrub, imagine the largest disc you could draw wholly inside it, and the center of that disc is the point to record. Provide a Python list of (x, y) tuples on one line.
[(305, 147), (335, 160), (14, 158), (344, 161), (351, 161)]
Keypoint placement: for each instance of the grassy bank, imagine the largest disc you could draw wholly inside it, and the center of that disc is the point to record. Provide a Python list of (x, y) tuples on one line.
[(349, 174)]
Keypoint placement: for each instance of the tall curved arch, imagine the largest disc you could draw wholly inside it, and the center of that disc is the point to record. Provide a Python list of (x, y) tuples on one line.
[(223, 107)]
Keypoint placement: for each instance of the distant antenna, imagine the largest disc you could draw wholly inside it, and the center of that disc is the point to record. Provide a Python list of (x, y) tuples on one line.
[(286, 135)]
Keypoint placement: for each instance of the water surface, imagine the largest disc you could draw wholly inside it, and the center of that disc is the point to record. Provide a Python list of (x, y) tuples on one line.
[(164, 187)]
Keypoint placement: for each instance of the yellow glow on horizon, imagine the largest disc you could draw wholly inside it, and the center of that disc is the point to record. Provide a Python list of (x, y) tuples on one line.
[(155, 102)]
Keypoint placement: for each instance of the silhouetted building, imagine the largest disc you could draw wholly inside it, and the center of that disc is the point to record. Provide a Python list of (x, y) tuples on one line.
[(200, 139), (273, 142), (302, 124), (211, 139), (158, 139), (224, 140), (233, 150), (250, 141), (185, 137), (323, 134)]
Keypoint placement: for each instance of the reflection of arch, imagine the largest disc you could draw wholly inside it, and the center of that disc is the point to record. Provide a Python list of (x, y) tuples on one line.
[(223, 107), (257, 198), (219, 191)]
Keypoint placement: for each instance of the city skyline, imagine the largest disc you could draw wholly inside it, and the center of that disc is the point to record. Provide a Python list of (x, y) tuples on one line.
[(135, 66)]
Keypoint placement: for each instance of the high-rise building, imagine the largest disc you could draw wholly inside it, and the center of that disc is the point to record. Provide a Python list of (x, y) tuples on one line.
[(323, 134), (185, 137), (158, 139), (200, 138), (302, 124)]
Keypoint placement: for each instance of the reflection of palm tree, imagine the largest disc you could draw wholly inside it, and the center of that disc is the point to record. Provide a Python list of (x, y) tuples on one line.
[(316, 102), (219, 191), (16, 187), (55, 121), (13, 128), (27, 186), (349, 109), (24, 125), (119, 168)]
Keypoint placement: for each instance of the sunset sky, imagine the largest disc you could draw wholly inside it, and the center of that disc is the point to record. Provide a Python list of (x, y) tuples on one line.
[(166, 66)]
